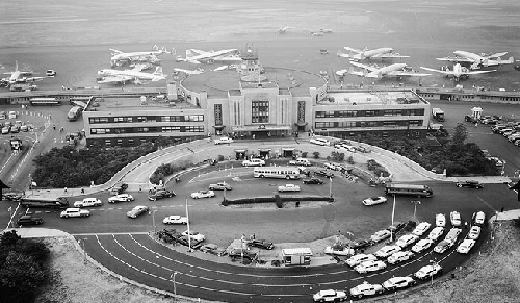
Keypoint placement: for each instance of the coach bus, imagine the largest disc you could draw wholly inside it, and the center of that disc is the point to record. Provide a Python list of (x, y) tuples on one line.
[(31, 201), (408, 190), (44, 101), (74, 113), (278, 172)]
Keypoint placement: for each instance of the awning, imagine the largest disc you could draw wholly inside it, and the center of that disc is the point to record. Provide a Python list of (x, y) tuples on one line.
[(264, 149), (288, 148), (301, 123), (240, 150), (219, 127)]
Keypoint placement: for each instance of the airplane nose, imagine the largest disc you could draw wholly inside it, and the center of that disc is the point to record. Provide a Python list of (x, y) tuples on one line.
[(100, 73)]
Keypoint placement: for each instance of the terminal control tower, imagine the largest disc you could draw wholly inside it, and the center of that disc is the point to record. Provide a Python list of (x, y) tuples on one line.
[(250, 69)]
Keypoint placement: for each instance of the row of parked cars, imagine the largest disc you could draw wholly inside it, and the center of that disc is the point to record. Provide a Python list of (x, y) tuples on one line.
[(510, 130), (16, 127)]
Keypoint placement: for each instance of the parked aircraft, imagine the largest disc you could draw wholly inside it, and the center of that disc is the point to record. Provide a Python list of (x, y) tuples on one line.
[(198, 56), (382, 53), (122, 76), (282, 30), (189, 72), (394, 70), (458, 72), (19, 76), (478, 61), (139, 56)]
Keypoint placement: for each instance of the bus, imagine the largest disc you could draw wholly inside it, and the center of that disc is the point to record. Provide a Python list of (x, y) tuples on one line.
[(44, 101), (74, 113), (408, 190), (278, 172), (60, 202)]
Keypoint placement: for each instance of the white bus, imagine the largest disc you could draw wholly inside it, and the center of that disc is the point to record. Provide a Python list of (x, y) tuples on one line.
[(44, 101), (278, 172), (408, 190)]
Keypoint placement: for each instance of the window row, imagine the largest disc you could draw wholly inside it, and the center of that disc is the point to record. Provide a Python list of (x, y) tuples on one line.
[(344, 124), (190, 118), (130, 130), (369, 113)]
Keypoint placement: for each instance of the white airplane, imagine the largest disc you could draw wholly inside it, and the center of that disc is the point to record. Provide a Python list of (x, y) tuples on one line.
[(395, 70), (136, 56), (282, 30), (382, 53), (198, 56), (189, 72), (477, 61), (459, 72), (122, 76), (19, 76)]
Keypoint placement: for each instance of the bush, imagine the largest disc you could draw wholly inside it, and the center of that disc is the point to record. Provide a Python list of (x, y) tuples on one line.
[(304, 154), (220, 158), (350, 160), (337, 156), (316, 155)]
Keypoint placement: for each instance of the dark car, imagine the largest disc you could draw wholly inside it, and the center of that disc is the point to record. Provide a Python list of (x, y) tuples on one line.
[(193, 243), (12, 196), (470, 183), (324, 173), (362, 244), (161, 194), (213, 249), (312, 181), (239, 253), (28, 220), (261, 243)]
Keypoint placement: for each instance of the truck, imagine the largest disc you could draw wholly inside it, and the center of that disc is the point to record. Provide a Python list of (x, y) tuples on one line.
[(289, 188), (438, 114)]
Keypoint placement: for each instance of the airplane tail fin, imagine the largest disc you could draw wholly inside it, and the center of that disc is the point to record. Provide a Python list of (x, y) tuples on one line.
[(174, 51), (155, 48), (16, 66), (510, 60), (189, 54)]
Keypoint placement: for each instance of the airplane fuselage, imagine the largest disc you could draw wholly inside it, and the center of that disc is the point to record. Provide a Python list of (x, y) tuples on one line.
[(129, 73)]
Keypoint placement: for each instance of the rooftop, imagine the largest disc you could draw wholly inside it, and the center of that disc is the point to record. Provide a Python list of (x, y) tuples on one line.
[(372, 97), (111, 104)]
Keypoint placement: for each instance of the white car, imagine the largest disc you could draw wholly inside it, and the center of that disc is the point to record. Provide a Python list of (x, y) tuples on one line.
[(379, 236), (331, 166), (121, 198), (355, 260), (453, 234), (320, 141), (421, 228), (428, 271), (203, 194), (370, 266), (422, 245), (74, 213), (330, 295), (479, 218), (340, 251), (443, 246), (474, 232), (87, 202), (253, 162), (223, 140), (289, 188), (345, 147), (436, 233), (137, 211), (399, 282), (387, 251), (366, 289), (455, 219), (400, 256), (466, 246), (175, 220), (195, 235), (406, 240), (300, 162), (440, 220), (374, 201)]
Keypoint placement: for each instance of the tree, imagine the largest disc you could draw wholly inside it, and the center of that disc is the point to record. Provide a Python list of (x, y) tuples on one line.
[(459, 135), (9, 238), (316, 155), (21, 271)]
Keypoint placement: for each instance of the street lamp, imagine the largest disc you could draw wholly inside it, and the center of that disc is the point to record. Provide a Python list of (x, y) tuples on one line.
[(393, 212), (434, 263), (415, 203), (330, 187), (153, 219), (174, 285)]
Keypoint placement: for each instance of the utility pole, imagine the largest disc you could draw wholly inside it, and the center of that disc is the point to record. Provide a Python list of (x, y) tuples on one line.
[(393, 212), (415, 203)]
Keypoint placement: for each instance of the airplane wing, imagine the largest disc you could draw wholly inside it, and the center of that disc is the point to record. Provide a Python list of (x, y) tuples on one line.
[(343, 55), (448, 72), (480, 72), (115, 51), (363, 66), (32, 79), (407, 74), (351, 71), (353, 49), (341, 72), (198, 52), (497, 55), (386, 56), (115, 79), (455, 59)]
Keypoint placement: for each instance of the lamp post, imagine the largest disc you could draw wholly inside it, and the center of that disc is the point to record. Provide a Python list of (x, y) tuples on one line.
[(415, 203), (174, 285), (188, 227), (330, 187), (393, 212), (434, 263), (153, 219)]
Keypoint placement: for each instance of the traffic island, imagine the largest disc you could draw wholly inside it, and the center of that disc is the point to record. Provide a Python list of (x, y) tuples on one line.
[(278, 201)]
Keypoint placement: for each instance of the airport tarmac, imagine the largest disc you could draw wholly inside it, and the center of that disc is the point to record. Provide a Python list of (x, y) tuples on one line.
[(74, 39)]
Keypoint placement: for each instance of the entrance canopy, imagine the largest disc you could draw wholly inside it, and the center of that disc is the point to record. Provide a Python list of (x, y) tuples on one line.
[(219, 127), (262, 127), (301, 124)]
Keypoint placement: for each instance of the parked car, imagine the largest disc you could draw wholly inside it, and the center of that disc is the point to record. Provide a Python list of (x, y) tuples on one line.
[(12, 196), (194, 234), (242, 253), (466, 246), (74, 213), (366, 289), (428, 271), (436, 233), (386, 251), (192, 243), (289, 188), (312, 180), (261, 243), (203, 194), (339, 250), (161, 194), (406, 240), (5, 130), (320, 141), (455, 218), (479, 218), (443, 246), (121, 198), (399, 282), (362, 244), (474, 232), (440, 220), (220, 186), (357, 259), (400, 256), (374, 201), (253, 162), (331, 166), (470, 183), (379, 236), (422, 245), (370, 266), (213, 249), (453, 234), (329, 295), (323, 173), (175, 220), (88, 202), (300, 162), (223, 140), (136, 211), (345, 147), (421, 228), (28, 220)]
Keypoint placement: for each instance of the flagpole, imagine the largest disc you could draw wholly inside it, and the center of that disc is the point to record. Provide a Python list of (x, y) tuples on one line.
[(188, 226)]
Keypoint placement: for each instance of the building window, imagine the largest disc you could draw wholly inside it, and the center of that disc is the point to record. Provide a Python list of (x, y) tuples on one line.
[(217, 109), (260, 112)]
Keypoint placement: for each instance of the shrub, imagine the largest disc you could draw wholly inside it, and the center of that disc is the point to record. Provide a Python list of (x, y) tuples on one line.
[(337, 156), (316, 155), (304, 154), (350, 160), (220, 158)]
